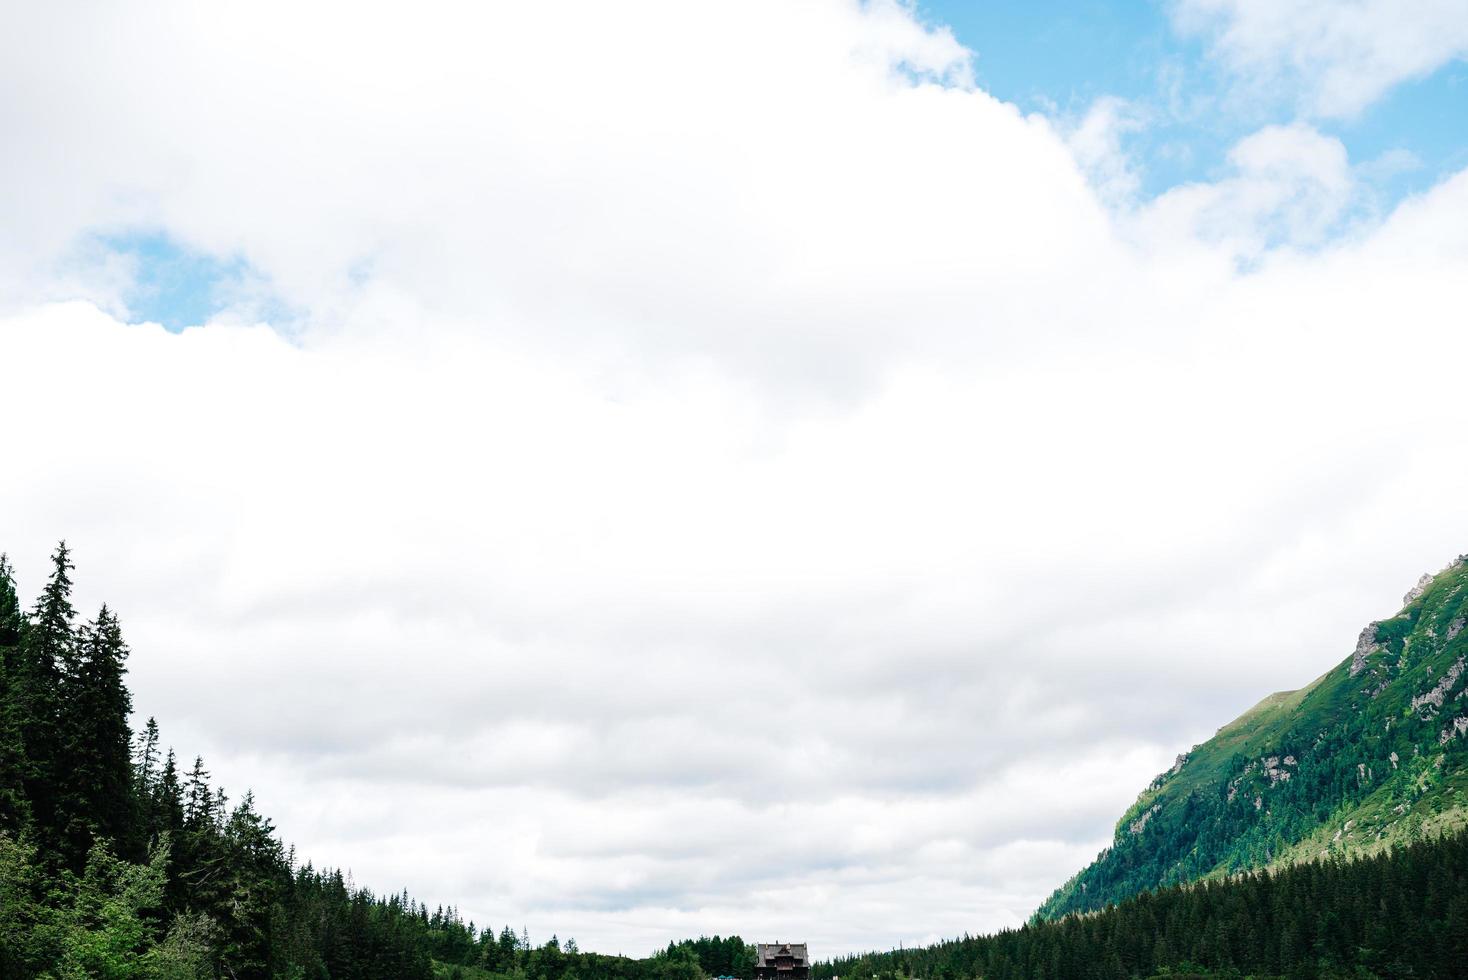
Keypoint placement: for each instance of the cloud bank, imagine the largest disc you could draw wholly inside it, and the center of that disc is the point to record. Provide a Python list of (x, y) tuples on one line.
[(670, 468), (1338, 58)]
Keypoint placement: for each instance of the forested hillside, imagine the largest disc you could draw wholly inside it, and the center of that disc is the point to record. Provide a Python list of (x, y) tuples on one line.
[(1397, 914), (1370, 754), (117, 861)]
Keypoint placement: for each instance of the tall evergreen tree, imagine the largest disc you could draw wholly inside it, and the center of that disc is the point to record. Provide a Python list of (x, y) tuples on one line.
[(47, 648), (145, 763), (166, 822), (13, 807), (11, 616), (167, 808), (199, 855), (198, 801), (97, 776), (254, 874)]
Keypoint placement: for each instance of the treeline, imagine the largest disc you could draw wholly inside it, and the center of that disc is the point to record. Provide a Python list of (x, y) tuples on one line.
[(1400, 914), (461, 957), (117, 862)]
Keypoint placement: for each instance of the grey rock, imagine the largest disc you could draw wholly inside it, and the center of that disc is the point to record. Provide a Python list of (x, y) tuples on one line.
[(1366, 645), (1435, 696), (1140, 824), (1415, 593)]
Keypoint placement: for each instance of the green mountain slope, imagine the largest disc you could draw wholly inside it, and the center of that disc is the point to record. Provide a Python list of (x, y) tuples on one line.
[(1372, 753)]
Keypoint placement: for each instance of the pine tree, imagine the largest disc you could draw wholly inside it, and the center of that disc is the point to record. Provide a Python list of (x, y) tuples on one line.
[(145, 762), (47, 649), (13, 808), (254, 876), (96, 773), (508, 944), (11, 617), (166, 822), (167, 808), (198, 852), (198, 801)]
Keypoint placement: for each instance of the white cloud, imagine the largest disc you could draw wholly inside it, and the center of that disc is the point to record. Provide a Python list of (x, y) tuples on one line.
[(728, 474), (1287, 185), (1339, 57), (1096, 141)]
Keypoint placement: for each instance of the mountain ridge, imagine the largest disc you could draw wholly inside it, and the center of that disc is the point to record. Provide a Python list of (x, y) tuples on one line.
[(1368, 754)]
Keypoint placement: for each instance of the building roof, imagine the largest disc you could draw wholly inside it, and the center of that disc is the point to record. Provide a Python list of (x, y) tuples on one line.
[(766, 953)]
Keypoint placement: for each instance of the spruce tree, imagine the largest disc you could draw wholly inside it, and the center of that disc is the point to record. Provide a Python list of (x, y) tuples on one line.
[(47, 648), (199, 852), (167, 809), (253, 876), (97, 774), (145, 765), (13, 809), (198, 801), (11, 616), (166, 822)]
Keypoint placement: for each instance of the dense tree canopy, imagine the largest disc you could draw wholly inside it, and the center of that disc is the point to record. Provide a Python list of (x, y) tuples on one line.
[(1399, 914)]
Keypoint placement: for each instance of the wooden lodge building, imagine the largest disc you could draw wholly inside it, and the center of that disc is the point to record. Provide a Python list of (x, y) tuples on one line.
[(781, 961)]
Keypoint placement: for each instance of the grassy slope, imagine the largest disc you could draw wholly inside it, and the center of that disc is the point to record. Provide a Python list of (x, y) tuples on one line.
[(1330, 727)]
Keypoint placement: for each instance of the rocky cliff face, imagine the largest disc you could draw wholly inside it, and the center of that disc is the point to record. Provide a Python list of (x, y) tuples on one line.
[(1366, 645), (1372, 753)]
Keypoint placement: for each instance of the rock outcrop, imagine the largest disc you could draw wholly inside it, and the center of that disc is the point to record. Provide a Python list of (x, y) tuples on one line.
[(1435, 697), (1366, 645), (1417, 591), (1140, 824)]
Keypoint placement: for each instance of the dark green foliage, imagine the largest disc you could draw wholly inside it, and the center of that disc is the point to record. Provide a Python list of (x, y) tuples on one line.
[(46, 651), (13, 806), (164, 805), (715, 956), (460, 950), (11, 616), (96, 792), (1401, 914), (145, 766)]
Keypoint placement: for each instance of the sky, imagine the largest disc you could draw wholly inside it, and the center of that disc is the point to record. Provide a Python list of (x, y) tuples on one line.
[(795, 469)]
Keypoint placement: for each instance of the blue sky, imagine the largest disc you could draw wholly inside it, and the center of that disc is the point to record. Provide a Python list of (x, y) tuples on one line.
[(174, 285), (1048, 56)]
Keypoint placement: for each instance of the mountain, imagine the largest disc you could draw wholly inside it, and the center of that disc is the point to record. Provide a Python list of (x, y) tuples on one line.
[(1371, 754)]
